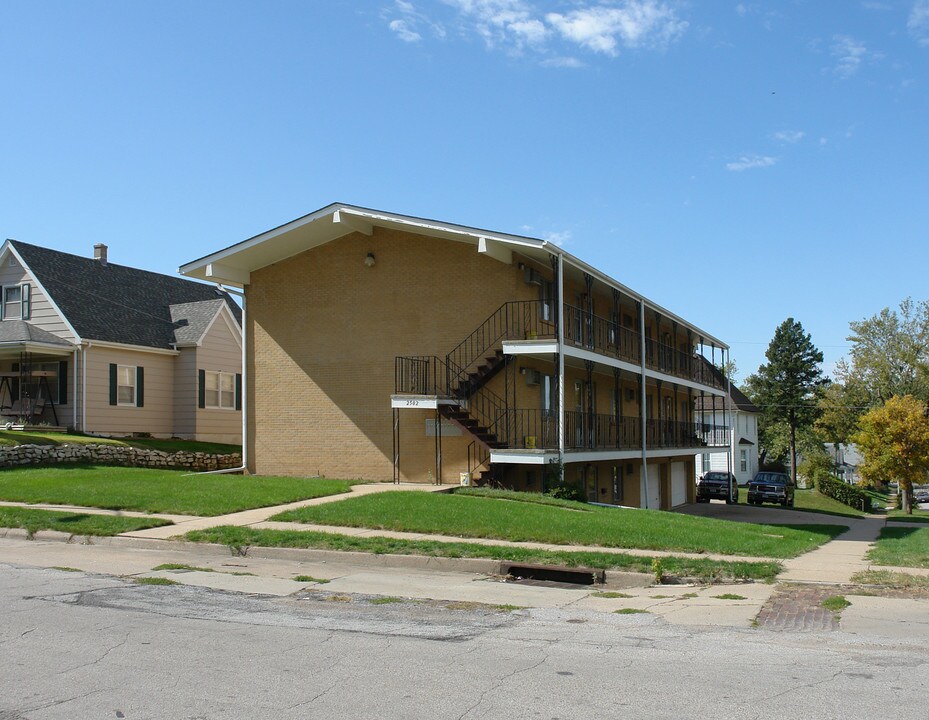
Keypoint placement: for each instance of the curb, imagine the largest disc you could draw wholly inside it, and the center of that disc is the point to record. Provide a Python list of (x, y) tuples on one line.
[(479, 566)]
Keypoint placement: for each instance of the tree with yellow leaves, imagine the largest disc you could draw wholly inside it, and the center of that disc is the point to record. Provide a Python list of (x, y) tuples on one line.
[(894, 441)]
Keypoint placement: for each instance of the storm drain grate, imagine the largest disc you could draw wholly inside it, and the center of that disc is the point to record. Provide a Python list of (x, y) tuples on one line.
[(553, 573)]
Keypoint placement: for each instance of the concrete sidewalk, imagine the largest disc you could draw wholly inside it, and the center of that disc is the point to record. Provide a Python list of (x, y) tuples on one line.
[(836, 561)]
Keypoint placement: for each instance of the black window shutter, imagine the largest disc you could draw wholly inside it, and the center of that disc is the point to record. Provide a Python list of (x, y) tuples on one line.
[(201, 388), (26, 297), (112, 383), (63, 382), (238, 391), (140, 386)]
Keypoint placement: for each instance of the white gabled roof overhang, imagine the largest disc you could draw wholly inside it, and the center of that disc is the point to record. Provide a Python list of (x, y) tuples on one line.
[(233, 265)]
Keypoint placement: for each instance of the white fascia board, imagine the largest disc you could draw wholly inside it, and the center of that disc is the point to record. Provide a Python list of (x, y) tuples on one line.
[(251, 242), (35, 347), (352, 223), (224, 274), (584, 354), (530, 347), (434, 226), (131, 348), (495, 250), (419, 402), (51, 300), (524, 457), (664, 377)]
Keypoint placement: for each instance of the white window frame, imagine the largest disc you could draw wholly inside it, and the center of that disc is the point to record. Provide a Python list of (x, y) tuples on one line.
[(743, 460), (133, 384), (3, 301), (219, 375)]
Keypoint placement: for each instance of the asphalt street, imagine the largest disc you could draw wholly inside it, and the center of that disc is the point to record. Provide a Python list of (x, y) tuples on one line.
[(80, 646)]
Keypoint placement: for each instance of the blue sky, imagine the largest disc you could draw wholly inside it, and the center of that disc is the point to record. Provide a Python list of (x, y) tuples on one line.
[(737, 162)]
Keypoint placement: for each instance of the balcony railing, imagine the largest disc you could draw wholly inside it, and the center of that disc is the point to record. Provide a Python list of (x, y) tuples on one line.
[(601, 432), (420, 375)]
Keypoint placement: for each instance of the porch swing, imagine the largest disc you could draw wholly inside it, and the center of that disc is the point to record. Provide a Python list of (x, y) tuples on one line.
[(26, 401)]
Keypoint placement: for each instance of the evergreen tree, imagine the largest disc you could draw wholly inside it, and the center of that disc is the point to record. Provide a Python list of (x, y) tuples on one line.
[(787, 388)]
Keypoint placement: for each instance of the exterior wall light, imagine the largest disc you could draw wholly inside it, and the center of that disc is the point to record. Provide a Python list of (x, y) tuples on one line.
[(369, 260)]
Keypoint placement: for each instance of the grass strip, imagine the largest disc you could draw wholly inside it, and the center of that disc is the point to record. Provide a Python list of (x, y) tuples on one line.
[(165, 491), (241, 538), (73, 523), (491, 516), (814, 501), (891, 579), (902, 547)]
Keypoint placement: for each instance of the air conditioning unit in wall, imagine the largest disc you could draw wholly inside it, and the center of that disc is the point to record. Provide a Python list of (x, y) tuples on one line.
[(533, 377), (532, 276)]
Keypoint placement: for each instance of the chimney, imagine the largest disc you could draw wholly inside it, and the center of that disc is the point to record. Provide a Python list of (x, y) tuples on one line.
[(100, 253)]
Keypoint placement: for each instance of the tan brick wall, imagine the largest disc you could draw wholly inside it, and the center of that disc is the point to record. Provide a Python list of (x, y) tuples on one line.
[(324, 330)]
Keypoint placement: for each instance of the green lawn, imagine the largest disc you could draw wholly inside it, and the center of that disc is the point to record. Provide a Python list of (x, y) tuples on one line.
[(241, 538), (902, 547), (74, 523), (166, 491), (15, 437), (467, 515), (814, 501), (918, 516)]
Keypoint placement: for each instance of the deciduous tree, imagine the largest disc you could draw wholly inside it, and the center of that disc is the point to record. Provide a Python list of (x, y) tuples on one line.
[(894, 442)]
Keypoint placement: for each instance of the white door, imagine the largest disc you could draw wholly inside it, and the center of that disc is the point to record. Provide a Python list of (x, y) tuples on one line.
[(651, 487), (678, 483)]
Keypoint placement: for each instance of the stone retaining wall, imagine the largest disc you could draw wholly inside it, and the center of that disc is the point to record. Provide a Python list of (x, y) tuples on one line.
[(18, 455)]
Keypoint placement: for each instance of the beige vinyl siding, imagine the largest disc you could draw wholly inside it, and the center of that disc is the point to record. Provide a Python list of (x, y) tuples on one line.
[(220, 351), (185, 393), (157, 415), (42, 314)]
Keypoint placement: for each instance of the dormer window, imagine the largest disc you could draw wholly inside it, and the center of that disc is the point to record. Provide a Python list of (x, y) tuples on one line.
[(15, 302)]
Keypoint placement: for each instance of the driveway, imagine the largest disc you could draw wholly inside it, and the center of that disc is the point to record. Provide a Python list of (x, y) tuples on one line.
[(761, 514)]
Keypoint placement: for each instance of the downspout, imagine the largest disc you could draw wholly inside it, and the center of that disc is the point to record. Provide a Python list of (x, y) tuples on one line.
[(561, 364), (243, 396), (728, 416), (642, 417), (84, 348), (74, 392)]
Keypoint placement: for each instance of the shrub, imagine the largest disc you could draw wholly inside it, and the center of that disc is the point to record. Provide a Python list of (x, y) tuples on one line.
[(847, 494), (567, 491)]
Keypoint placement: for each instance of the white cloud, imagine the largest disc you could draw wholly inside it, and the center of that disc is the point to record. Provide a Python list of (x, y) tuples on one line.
[(502, 22), (403, 31), (748, 162), (848, 54), (563, 62), (634, 23), (557, 238), (789, 136), (410, 25), (918, 22)]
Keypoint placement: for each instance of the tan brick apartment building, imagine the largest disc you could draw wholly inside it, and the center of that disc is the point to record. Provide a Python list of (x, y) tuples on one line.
[(384, 346)]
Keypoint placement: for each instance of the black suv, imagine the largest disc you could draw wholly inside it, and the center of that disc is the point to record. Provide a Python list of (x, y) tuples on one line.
[(771, 487), (719, 485)]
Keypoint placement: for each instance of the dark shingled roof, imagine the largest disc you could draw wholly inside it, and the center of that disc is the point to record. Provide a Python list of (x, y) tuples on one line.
[(19, 331), (115, 303)]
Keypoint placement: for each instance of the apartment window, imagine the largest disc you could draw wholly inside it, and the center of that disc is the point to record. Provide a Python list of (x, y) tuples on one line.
[(706, 462), (219, 390), (127, 385), (15, 302), (743, 460)]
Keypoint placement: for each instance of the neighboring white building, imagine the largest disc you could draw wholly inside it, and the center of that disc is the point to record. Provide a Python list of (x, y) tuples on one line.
[(846, 459), (733, 448)]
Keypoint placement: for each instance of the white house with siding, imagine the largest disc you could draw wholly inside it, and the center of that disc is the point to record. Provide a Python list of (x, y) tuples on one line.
[(736, 447), (112, 350)]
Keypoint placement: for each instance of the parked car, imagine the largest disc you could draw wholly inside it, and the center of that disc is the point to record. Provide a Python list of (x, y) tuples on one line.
[(921, 496), (771, 487), (719, 485)]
